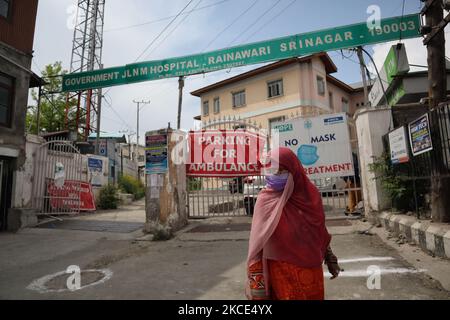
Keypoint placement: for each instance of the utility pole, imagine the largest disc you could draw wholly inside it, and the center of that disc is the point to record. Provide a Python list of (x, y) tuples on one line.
[(363, 74), (99, 111), (180, 100), (38, 115), (435, 23), (138, 104)]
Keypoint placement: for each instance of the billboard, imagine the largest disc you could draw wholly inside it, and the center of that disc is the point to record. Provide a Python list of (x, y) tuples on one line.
[(322, 144)]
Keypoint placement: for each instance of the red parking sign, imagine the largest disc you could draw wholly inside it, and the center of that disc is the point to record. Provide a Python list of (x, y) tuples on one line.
[(224, 153)]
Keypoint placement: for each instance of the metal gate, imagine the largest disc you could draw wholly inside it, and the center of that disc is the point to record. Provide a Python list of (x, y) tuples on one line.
[(224, 197), (236, 196), (58, 170), (342, 195)]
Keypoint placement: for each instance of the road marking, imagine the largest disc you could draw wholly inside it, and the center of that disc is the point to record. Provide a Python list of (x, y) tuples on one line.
[(363, 259), (364, 273), (40, 284)]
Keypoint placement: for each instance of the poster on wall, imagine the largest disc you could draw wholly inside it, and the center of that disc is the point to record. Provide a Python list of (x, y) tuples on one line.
[(398, 146), (420, 135), (95, 167), (321, 143), (156, 153)]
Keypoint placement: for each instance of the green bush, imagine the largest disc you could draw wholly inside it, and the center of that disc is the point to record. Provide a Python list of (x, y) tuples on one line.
[(132, 186), (108, 198), (194, 184), (402, 191)]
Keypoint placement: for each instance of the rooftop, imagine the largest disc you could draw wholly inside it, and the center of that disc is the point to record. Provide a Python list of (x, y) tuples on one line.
[(329, 66), (109, 135)]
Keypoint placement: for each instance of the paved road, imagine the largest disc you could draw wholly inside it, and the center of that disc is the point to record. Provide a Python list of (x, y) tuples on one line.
[(194, 265)]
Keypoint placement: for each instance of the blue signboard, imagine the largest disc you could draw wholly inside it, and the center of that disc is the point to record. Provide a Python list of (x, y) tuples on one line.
[(156, 161), (95, 164)]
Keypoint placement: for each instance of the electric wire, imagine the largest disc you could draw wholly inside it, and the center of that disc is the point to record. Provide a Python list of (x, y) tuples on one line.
[(168, 35), (163, 19), (230, 25), (254, 22), (270, 21), (163, 30)]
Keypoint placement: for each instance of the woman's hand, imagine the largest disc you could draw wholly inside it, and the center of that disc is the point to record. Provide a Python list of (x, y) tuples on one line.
[(332, 264)]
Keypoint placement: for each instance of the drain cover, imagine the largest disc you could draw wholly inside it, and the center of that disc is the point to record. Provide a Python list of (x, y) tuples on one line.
[(86, 277), (94, 225), (58, 282), (221, 228)]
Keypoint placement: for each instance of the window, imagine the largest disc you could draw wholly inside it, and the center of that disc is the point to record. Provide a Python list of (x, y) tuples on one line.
[(216, 105), (320, 86), (240, 127), (239, 99), (345, 105), (6, 99), (273, 121), (5, 8), (330, 95), (206, 108), (275, 88)]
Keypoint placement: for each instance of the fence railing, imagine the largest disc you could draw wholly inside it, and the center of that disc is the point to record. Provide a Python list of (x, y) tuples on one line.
[(418, 172)]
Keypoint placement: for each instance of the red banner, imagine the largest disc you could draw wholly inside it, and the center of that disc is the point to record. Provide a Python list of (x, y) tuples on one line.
[(72, 195), (224, 153)]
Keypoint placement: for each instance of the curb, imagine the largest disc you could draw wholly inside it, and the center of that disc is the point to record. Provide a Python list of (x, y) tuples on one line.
[(431, 238)]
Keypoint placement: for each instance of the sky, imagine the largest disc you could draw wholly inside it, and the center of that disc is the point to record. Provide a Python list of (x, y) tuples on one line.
[(130, 26)]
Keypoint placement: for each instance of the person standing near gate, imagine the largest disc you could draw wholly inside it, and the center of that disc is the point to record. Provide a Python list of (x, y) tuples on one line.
[(289, 241), (353, 183)]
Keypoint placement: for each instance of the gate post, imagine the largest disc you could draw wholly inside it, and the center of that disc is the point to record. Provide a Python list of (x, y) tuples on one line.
[(165, 192), (371, 125)]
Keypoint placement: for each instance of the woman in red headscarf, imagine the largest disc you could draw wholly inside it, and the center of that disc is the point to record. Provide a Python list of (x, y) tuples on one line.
[(288, 240)]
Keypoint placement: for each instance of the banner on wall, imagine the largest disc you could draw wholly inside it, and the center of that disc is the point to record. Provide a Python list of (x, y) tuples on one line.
[(72, 195)]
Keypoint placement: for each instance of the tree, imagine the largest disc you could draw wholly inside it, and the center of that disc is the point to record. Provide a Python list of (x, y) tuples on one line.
[(53, 106)]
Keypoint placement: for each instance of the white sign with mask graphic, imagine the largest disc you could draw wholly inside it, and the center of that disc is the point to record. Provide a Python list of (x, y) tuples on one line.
[(322, 144)]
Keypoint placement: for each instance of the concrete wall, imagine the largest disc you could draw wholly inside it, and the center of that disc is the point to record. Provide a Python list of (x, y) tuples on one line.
[(12, 139), (371, 125), (23, 184)]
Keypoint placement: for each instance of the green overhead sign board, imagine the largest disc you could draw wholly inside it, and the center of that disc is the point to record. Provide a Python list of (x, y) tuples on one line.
[(259, 52), (396, 64)]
